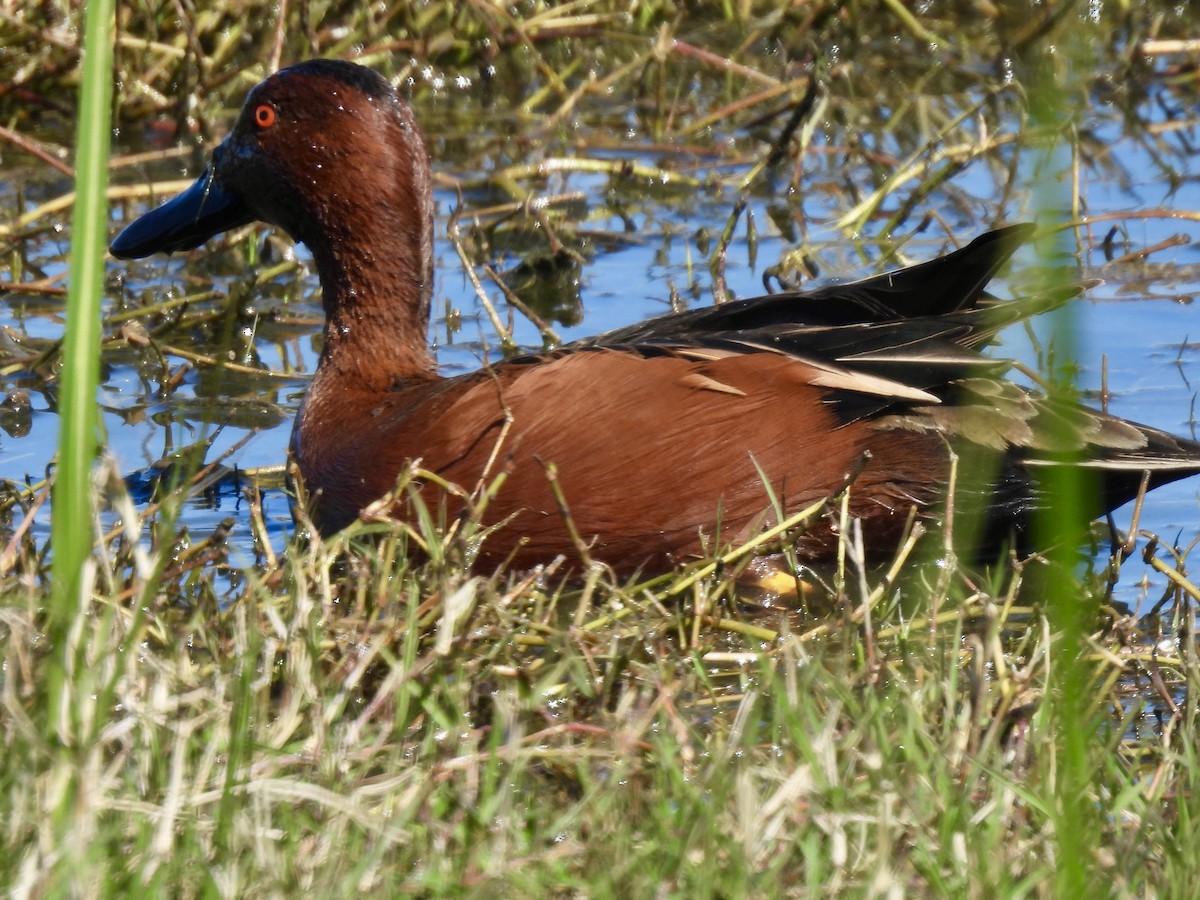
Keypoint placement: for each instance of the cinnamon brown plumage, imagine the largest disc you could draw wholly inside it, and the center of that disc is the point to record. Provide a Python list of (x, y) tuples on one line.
[(665, 437)]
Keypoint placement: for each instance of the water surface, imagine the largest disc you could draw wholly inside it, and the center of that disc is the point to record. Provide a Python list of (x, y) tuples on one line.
[(643, 239)]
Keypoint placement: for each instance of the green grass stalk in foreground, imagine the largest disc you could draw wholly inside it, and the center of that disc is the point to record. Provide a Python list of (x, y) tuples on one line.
[(71, 521), (1062, 517)]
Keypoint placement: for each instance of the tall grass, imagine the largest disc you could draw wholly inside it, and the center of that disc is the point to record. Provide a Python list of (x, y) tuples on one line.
[(73, 509), (1055, 84)]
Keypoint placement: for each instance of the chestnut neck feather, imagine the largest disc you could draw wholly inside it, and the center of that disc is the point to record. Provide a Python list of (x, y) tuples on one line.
[(374, 257)]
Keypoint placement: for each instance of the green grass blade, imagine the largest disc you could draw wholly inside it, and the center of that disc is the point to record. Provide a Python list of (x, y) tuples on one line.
[(1064, 515), (71, 521)]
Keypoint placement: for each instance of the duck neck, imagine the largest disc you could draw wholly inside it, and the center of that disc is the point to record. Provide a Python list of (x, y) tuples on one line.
[(376, 274), (376, 313)]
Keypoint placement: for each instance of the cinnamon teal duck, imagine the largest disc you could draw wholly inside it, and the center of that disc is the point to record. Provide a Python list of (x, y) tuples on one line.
[(659, 440)]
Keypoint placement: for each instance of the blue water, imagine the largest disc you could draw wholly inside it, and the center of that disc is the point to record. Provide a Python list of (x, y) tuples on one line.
[(1140, 320)]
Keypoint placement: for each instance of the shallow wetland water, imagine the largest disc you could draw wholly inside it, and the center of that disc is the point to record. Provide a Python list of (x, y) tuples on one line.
[(610, 209)]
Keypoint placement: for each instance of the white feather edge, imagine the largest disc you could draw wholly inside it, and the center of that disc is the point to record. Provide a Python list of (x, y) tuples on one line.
[(831, 377), (848, 380)]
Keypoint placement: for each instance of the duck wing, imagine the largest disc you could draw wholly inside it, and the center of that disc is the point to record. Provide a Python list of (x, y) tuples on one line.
[(936, 288), (900, 350)]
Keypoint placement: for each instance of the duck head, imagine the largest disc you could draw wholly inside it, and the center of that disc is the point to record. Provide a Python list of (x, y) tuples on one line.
[(327, 151)]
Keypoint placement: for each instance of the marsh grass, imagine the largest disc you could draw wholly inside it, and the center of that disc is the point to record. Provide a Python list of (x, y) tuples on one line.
[(354, 715), (345, 720), (72, 499)]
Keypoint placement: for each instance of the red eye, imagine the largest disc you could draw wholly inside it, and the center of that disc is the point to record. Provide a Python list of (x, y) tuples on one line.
[(264, 116)]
